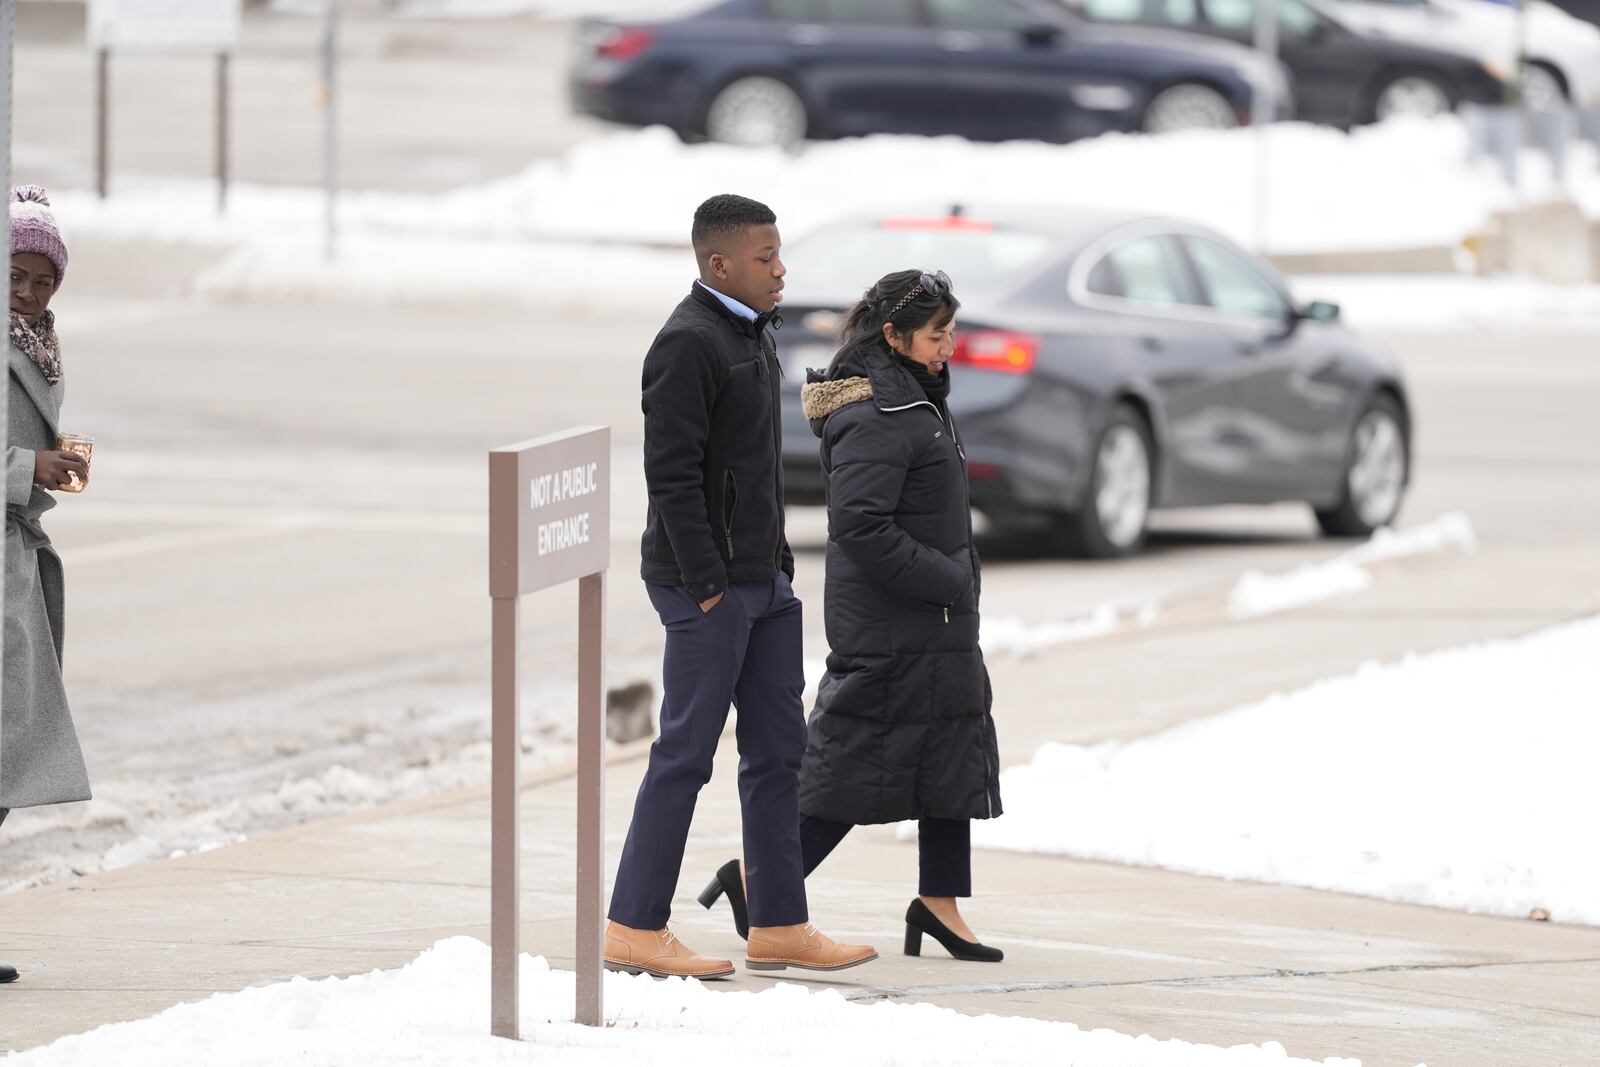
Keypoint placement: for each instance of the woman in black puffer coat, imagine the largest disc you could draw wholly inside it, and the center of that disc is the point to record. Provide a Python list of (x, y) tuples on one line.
[(901, 728)]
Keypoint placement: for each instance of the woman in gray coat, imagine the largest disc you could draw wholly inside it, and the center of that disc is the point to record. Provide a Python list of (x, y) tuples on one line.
[(40, 762)]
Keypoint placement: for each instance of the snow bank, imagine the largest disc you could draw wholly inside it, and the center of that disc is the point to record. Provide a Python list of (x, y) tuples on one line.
[(435, 1011), (131, 822), (1452, 302), (564, 230), (1007, 636), (1259, 593), (135, 820), (1462, 779), (1330, 189)]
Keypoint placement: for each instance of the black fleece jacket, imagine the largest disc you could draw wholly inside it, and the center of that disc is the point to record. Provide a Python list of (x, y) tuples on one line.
[(712, 450)]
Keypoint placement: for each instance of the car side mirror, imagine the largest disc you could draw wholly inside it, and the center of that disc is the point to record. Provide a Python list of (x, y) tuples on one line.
[(1321, 311), (1041, 35)]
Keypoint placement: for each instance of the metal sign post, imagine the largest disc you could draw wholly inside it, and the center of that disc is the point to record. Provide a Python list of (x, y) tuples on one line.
[(549, 523), (222, 132), (330, 127), (161, 26)]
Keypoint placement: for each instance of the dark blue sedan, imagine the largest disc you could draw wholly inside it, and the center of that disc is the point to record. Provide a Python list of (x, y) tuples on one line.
[(762, 72), (1108, 364)]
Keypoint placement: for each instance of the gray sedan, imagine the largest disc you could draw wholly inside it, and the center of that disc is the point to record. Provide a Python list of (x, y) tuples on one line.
[(1110, 364)]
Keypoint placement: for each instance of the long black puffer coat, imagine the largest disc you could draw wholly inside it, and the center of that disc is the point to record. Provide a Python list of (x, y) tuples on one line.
[(901, 728)]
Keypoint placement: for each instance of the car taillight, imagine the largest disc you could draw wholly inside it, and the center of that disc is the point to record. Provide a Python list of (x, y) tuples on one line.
[(623, 42), (999, 350)]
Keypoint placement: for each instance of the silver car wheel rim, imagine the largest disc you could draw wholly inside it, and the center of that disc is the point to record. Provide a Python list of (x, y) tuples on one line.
[(1189, 107), (1377, 469), (1417, 97), (1540, 89), (1123, 499), (757, 112)]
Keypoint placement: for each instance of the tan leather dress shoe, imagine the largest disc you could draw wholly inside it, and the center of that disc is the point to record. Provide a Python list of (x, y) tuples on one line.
[(773, 948), (658, 953)]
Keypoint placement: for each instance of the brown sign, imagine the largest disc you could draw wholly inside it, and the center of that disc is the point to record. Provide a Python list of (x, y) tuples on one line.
[(549, 511), (549, 523)]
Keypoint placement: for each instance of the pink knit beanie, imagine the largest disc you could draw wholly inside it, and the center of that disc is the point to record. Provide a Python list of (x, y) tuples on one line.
[(33, 228)]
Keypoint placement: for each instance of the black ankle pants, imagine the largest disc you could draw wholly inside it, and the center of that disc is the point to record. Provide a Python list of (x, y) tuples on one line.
[(944, 852)]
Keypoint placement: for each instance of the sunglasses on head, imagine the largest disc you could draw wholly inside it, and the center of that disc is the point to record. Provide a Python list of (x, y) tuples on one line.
[(935, 285)]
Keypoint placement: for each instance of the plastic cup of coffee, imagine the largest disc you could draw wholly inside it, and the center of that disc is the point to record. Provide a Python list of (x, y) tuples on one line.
[(83, 446)]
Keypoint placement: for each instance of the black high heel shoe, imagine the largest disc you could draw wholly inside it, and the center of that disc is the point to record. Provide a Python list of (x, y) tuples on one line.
[(919, 921), (728, 881)]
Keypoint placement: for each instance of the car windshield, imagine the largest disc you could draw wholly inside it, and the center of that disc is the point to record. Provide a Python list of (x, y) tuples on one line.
[(973, 254)]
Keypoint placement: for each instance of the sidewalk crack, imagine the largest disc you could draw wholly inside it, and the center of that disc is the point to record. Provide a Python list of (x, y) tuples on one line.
[(981, 988)]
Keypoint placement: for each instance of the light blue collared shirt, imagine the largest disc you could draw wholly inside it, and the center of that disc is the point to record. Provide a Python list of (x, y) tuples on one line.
[(730, 303)]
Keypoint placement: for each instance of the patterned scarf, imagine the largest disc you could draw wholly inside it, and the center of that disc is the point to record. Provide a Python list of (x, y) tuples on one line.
[(39, 343)]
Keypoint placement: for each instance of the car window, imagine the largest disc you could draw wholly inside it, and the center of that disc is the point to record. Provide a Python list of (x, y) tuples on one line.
[(1180, 12), (1232, 284), (1143, 270), (793, 10), (1114, 10), (856, 12), (1230, 14), (1294, 17), (981, 15)]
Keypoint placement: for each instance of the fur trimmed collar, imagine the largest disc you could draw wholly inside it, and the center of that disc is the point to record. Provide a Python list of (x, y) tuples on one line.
[(820, 399)]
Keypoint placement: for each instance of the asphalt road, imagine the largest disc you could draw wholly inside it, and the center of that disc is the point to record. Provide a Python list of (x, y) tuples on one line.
[(279, 567)]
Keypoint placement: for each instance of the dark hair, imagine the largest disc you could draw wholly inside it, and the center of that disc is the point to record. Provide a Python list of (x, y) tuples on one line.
[(886, 302), (725, 216)]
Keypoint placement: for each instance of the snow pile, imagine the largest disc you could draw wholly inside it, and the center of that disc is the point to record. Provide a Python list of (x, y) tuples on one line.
[(1462, 779), (1258, 593), (1330, 189), (435, 1011), (144, 822), (1007, 636)]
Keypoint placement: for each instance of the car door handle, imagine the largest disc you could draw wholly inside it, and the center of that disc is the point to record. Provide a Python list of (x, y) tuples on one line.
[(1152, 344)]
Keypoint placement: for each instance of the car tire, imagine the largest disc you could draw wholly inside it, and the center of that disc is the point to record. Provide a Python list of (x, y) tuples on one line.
[(757, 112), (1111, 524), (1413, 94), (1541, 88), (1188, 106), (1377, 468)]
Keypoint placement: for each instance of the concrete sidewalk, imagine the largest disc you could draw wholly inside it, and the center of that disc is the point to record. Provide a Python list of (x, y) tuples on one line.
[(1135, 950)]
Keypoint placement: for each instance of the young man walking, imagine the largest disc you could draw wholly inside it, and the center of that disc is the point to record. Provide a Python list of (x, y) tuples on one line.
[(718, 570)]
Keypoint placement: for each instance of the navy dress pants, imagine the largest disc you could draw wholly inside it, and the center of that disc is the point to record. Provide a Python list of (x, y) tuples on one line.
[(944, 852), (746, 651)]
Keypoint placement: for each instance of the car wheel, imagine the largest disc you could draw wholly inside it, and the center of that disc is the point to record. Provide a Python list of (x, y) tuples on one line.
[(1414, 95), (1111, 523), (1188, 107), (757, 112), (1541, 88), (1377, 462)]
